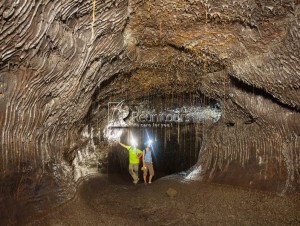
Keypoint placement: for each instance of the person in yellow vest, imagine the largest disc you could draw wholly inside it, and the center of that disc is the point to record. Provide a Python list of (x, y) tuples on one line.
[(134, 155)]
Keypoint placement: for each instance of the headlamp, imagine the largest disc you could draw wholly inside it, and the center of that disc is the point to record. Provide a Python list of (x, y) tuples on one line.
[(133, 142)]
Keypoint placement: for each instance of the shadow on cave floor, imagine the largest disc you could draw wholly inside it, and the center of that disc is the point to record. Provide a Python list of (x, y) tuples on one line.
[(114, 200)]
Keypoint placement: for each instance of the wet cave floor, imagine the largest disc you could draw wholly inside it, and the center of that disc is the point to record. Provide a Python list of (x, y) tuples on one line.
[(114, 200)]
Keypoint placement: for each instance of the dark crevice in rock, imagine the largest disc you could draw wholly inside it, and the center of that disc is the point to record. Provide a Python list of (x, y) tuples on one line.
[(260, 92), (230, 124)]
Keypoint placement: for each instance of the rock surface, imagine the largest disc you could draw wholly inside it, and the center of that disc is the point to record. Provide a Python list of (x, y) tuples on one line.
[(62, 60), (121, 203)]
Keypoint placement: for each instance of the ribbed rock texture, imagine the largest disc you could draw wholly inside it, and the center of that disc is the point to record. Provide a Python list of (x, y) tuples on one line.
[(61, 60), (53, 56)]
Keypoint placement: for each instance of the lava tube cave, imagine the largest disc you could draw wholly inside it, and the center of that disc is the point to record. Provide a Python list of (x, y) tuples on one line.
[(93, 94)]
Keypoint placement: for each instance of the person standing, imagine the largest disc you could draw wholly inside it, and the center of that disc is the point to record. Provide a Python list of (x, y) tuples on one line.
[(147, 164), (134, 161)]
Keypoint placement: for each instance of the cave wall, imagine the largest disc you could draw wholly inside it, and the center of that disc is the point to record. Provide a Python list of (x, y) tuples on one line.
[(58, 58), (53, 56)]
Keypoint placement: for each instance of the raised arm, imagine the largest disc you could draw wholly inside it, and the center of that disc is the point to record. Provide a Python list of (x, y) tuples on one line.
[(123, 145)]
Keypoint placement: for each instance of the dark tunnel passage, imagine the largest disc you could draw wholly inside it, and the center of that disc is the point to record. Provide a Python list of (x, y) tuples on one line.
[(170, 155), (175, 125)]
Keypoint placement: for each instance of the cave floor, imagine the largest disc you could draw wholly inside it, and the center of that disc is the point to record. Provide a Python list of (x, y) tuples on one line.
[(114, 200)]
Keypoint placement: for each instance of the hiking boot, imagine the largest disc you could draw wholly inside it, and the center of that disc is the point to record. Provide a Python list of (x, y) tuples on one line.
[(136, 181)]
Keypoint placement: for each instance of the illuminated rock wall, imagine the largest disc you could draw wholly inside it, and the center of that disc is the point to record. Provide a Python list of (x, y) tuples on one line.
[(53, 56)]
